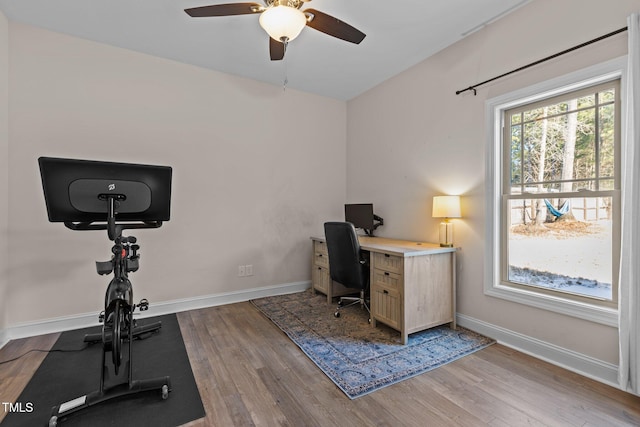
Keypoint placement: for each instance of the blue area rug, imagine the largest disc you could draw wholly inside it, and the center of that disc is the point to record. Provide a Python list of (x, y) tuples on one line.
[(358, 358)]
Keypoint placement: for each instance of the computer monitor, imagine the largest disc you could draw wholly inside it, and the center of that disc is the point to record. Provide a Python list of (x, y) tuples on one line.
[(361, 216), (77, 191)]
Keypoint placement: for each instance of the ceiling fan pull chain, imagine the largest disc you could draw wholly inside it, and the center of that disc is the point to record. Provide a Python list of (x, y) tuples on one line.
[(286, 73)]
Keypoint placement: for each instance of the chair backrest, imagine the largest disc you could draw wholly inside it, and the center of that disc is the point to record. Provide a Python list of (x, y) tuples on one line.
[(345, 256)]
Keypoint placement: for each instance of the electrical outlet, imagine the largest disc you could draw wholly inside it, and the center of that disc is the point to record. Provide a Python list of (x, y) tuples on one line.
[(242, 271), (248, 269)]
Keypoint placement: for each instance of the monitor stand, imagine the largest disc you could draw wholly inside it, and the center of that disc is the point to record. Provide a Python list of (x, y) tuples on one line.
[(375, 225)]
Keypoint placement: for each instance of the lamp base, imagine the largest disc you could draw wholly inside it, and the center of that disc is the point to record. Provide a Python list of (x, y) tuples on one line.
[(446, 234)]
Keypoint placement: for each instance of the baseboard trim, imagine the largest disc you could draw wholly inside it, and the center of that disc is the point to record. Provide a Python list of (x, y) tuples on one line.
[(4, 337), (84, 320), (584, 365)]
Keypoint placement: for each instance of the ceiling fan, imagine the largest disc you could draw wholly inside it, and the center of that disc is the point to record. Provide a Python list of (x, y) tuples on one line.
[(283, 21)]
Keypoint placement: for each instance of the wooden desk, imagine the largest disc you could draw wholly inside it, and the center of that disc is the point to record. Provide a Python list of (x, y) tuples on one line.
[(413, 284)]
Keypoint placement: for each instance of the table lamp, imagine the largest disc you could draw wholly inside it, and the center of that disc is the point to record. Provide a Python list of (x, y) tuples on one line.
[(446, 207)]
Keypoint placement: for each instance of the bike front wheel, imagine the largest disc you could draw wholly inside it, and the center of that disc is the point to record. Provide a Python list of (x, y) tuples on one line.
[(116, 335)]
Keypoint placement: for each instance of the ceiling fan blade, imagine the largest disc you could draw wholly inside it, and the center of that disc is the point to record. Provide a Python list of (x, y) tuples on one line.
[(333, 26), (276, 49), (226, 9)]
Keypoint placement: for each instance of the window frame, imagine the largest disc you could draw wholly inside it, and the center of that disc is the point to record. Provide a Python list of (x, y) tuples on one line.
[(495, 248)]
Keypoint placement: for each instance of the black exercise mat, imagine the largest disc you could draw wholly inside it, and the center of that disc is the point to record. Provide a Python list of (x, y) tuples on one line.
[(65, 376)]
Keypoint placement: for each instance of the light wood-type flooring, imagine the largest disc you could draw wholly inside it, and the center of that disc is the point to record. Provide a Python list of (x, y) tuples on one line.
[(250, 374)]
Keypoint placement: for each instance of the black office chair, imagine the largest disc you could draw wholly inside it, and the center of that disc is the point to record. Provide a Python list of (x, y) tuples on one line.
[(347, 263)]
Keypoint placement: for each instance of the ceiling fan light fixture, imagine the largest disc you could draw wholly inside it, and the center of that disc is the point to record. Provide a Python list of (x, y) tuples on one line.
[(283, 23)]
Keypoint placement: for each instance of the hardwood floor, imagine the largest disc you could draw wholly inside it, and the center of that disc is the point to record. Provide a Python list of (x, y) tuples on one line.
[(250, 374)]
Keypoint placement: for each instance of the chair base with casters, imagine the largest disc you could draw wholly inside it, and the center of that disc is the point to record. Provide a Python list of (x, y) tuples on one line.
[(353, 301)]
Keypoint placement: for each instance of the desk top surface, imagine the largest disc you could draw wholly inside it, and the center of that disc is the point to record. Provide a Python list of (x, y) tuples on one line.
[(403, 248)]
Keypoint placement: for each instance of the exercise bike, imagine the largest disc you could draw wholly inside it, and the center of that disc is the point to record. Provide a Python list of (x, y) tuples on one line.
[(119, 328), (117, 316)]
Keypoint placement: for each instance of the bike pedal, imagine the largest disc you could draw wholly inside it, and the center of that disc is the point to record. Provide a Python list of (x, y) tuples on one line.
[(143, 305)]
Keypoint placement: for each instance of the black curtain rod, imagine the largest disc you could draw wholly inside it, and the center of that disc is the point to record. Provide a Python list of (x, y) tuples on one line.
[(473, 87)]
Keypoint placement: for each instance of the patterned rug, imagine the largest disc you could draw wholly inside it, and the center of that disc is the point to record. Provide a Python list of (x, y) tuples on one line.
[(358, 358)]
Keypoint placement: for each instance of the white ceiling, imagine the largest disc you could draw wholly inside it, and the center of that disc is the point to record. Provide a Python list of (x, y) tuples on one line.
[(400, 33)]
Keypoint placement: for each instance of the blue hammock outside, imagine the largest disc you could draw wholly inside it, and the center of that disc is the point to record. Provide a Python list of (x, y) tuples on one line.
[(558, 212)]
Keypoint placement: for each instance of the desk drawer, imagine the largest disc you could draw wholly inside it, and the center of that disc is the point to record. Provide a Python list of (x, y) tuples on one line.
[(321, 260), (386, 306), (321, 279), (320, 247), (387, 279), (320, 254), (387, 262)]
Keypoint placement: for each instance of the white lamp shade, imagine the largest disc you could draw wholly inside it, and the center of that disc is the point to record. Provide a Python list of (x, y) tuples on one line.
[(446, 207), (283, 23)]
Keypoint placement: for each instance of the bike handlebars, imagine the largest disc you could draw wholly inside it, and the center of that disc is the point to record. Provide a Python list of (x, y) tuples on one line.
[(115, 230)]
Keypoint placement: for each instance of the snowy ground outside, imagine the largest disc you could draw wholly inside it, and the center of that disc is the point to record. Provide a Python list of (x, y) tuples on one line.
[(573, 257)]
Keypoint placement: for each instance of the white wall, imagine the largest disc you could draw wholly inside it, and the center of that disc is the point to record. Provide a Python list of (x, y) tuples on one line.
[(412, 138), (256, 171), (4, 173)]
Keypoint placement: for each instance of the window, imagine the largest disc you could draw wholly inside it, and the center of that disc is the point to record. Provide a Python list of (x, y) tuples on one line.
[(561, 192), (554, 181)]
